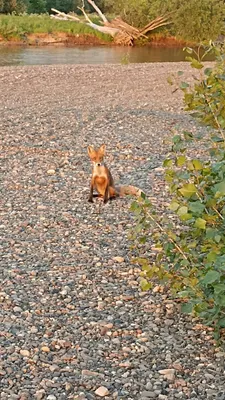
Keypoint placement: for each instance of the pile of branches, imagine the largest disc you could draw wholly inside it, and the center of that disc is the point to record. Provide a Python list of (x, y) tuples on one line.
[(122, 32)]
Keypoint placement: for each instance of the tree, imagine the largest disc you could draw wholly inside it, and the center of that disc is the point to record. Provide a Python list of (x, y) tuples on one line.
[(21, 6), (37, 6), (200, 19), (133, 12), (1, 5), (9, 6), (195, 20)]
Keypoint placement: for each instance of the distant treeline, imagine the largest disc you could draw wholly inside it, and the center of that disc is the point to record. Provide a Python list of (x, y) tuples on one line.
[(194, 20), (38, 6)]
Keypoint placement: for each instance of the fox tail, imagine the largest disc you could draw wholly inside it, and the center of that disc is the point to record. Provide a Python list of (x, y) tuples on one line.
[(129, 190)]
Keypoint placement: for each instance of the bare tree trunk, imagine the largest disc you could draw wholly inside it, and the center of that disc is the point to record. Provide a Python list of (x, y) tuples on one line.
[(101, 15), (104, 29), (66, 16), (122, 32)]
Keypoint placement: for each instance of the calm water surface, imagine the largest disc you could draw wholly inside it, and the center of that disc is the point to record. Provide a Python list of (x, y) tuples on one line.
[(87, 55)]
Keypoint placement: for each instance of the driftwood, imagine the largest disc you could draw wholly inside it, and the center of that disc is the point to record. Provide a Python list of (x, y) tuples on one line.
[(62, 15), (121, 31)]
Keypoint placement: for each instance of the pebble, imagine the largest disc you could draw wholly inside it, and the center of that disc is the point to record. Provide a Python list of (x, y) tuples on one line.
[(148, 394), (102, 391), (25, 353), (51, 172), (17, 309), (45, 349), (168, 373), (39, 395), (86, 372), (33, 329), (70, 297), (119, 259)]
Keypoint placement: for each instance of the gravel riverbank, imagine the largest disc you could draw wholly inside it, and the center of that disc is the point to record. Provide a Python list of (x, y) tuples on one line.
[(74, 323)]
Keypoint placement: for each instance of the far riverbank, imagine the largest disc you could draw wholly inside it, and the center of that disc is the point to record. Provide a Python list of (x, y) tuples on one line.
[(41, 30)]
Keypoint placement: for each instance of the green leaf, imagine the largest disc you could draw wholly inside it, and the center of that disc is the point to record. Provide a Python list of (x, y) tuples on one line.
[(218, 238), (180, 161), (221, 300), (184, 85), (196, 64), (219, 288), (179, 73), (216, 139), (196, 207), (189, 50), (197, 165), (185, 217), (183, 175), (177, 139), (211, 256), (210, 277), (200, 223), (220, 187), (188, 190), (187, 308), (222, 322), (208, 71), (145, 285), (170, 80), (172, 235), (174, 206), (182, 210), (134, 206), (220, 262), (188, 135), (168, 163)]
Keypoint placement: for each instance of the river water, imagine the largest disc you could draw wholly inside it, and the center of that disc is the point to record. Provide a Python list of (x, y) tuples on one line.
[(19, 55)]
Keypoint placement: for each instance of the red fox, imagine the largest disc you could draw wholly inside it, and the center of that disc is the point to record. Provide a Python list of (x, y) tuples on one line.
[(102, 179)]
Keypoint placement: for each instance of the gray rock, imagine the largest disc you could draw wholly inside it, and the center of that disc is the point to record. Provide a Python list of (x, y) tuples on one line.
[(148, 394)]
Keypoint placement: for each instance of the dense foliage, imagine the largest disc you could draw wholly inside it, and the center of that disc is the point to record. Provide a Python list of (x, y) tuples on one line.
[(195, 20), (38, 6), (191, 245), (43, 6), (14, 26)]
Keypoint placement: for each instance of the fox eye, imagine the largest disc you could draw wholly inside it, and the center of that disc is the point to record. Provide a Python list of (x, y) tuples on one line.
[(94, 158)]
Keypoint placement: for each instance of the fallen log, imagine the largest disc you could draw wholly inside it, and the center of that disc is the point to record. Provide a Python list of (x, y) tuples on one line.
[(64, 15), (121, 31)]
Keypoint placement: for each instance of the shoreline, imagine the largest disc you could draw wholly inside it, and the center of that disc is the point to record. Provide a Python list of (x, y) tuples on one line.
[(66, 39)]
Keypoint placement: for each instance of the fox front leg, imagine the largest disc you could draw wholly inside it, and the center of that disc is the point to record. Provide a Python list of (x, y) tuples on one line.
[(90, 199), (106, 195)]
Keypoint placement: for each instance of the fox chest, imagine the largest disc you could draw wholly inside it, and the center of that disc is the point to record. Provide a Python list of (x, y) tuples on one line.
[(100, 183), (100, 179)]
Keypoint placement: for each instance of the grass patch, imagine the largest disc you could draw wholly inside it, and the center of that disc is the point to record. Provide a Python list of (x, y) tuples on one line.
[(17, 26)]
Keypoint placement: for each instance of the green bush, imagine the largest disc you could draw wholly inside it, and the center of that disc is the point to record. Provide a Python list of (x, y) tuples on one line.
[(200, 20), (16, 26), (190, 235), (194, 20)]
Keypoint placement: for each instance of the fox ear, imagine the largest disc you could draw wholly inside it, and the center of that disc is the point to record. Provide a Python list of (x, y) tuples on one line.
[(102, 149), (90, 150)]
